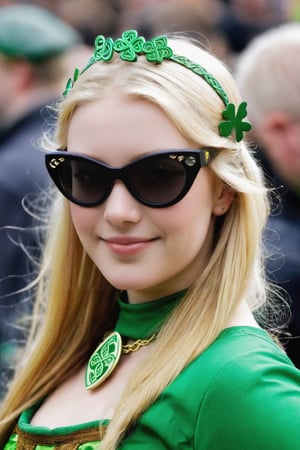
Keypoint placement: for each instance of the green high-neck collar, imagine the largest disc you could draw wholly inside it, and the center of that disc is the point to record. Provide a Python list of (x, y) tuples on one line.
[(142, 320)]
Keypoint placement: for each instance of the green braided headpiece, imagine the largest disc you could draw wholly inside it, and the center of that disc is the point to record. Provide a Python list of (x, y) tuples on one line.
[(156, 50)]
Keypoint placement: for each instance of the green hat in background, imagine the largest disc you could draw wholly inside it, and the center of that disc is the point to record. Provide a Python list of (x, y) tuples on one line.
[(34, 33)]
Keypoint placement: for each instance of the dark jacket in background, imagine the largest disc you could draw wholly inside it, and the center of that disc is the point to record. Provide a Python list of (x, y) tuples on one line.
[(282, 237), (282, 241), (22, 175)]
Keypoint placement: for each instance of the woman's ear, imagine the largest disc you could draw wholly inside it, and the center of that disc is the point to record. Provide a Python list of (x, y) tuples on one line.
[(224, 199)]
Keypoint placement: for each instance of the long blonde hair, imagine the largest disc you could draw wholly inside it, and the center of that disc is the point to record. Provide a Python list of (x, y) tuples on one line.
[(71, 291)]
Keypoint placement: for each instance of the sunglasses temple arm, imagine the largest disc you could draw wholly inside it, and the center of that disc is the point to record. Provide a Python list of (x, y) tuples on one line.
[(207, 155)]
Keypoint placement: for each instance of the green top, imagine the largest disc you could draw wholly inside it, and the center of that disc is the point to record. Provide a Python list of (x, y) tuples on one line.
[(141, 320), (242, 393)]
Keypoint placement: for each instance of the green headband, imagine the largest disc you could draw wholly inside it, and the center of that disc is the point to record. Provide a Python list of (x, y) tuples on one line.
[(130, 46)]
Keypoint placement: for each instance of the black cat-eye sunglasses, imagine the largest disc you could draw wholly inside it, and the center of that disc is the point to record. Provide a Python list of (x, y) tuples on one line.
[(157, 180)]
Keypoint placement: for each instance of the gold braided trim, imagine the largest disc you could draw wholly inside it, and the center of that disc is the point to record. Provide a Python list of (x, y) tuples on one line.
[(136, 345), (70, 441)]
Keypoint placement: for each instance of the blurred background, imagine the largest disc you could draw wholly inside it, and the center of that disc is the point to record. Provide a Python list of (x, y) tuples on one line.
[(226, 25)]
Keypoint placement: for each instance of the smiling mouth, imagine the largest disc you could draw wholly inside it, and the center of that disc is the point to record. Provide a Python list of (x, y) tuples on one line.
[(127, 246)]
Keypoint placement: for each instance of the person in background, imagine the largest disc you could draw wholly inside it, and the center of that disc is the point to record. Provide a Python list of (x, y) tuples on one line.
[(33, 43), (268, 74), (245, 19), (89, 17), (198, 20), (151, 287)]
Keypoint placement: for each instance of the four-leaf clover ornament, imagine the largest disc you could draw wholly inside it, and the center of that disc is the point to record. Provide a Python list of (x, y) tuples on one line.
[(234, 121)]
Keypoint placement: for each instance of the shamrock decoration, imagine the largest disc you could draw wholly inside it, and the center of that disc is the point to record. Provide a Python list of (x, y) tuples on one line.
[(129, 45), (103, 49), (234, 121), (156, 50), (70, 82)]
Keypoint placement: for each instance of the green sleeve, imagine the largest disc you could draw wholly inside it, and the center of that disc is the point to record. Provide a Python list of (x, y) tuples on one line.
[(251, 405)]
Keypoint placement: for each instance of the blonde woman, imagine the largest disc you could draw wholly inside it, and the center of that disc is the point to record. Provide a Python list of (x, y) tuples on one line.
[(145, 334)]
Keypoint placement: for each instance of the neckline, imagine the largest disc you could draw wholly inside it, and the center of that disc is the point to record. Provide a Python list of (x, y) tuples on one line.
[(24, 424), (141, 320)]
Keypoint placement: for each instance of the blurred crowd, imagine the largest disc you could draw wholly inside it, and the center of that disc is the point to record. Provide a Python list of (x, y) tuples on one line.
[(42, 44), (226, 25)]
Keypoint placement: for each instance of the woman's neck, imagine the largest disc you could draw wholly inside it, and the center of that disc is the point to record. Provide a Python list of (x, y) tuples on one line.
[(141, 320)]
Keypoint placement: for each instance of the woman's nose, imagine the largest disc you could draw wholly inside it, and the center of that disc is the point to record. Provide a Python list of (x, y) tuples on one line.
[(121, 206)]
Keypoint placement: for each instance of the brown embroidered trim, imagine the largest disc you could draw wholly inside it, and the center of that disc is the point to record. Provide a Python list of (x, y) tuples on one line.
[(70, 441)]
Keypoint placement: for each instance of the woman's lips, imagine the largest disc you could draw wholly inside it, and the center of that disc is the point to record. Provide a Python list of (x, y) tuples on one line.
[(127, 245)]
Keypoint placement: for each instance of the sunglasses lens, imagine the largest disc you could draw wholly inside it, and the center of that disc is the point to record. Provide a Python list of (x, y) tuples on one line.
[(158, 181), (83, 181)]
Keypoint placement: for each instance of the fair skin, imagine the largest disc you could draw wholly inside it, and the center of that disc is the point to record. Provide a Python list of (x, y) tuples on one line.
[(20, 91), (161, 250), (279, 135), (132, 244)]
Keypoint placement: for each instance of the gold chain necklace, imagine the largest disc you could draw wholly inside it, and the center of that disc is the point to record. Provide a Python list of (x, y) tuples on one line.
[(136, 345), (107, 355)]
